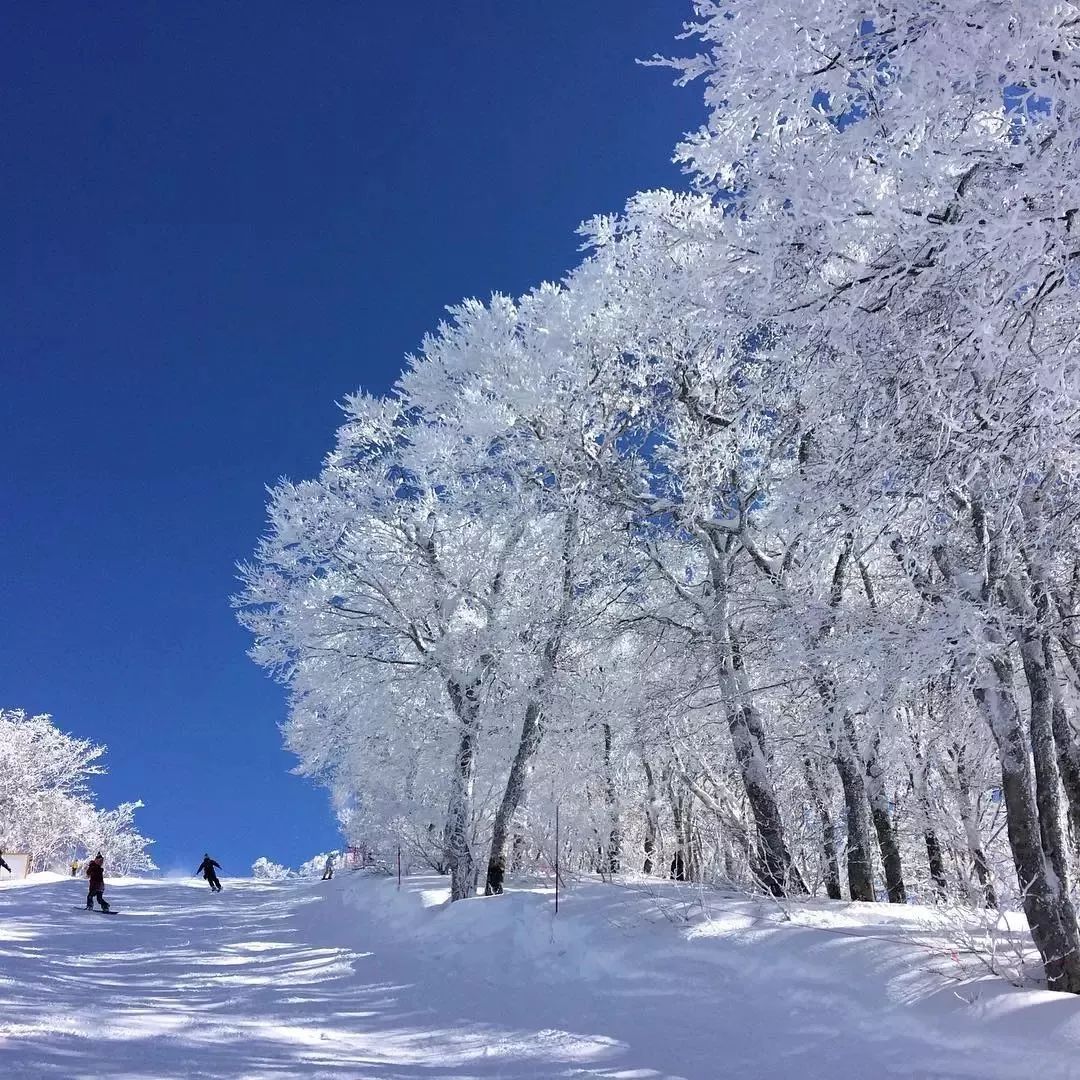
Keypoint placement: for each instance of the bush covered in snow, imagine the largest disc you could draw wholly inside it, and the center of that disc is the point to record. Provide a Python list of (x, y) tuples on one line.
[(262, 869), (316, 865)]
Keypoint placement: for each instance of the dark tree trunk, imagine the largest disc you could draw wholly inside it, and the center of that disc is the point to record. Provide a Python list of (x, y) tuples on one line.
[(830, 864), (936, 859), (845, 748), (890, 855), (752, 755), (519, 843), (459, 854), (748, 739), (1054, 935), (919, 775), (1034, 652), (971, 828), (859, 867), (681, 825), (613, 840), (748, 736), (652, 818), (1068, 752), (513, 797), (842, 737), (883, 826), (515, 793)]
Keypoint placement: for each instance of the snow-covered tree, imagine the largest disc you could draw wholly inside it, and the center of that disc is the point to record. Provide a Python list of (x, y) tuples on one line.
[(46, 806), (749, 545)]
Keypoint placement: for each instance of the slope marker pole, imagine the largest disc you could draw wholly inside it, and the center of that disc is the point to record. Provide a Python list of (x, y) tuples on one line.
[(556, 858)]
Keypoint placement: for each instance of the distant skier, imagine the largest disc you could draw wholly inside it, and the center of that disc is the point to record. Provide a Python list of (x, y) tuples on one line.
[(74, 868), (207, 868), (328, 870), (4, 865), (95, 872)]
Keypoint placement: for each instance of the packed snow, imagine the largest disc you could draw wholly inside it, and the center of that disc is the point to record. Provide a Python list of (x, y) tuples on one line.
[(352, 978)]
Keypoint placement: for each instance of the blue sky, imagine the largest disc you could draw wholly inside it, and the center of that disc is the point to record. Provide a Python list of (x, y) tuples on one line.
[(219, 219)]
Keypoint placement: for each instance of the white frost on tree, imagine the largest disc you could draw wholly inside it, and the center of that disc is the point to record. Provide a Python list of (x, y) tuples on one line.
[(46, 805), (750, 545), (262, 869)]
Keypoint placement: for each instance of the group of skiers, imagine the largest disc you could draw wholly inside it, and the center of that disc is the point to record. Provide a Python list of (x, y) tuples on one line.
[(95, 874)]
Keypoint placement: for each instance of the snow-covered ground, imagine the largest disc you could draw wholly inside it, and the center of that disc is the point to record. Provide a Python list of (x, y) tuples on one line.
[(351, 979)]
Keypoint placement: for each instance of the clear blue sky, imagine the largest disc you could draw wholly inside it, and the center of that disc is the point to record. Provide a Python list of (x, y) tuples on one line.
[(218, 219)]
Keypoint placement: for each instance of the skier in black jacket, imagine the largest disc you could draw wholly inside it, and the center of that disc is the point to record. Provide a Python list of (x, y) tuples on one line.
[(95, 872), (206, 868), (4, 865)]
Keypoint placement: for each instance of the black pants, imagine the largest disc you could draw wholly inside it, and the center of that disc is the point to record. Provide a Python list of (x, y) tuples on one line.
[(212, 881), (327, 875), (96, 894)]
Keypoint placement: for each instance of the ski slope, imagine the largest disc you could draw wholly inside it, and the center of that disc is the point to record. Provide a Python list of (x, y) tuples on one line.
[(351, 979)]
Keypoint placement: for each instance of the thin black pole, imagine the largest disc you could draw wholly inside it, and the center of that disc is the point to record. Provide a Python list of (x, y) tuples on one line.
[(399, 866), (556, 858)]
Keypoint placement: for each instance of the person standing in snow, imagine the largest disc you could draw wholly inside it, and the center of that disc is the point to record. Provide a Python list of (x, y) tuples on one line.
[(328, 870), (207, 868), (95, 872), (4, 865), (74, 867)]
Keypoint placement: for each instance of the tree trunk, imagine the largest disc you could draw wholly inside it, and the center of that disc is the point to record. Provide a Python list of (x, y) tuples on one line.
[(883, 826), (830, 864), (919, 775), (513, 797), (842, 738), (652, 818), (680, 859), (751, 753), (613, 840), (1034, 651), (935, 857), (459, 811), (845, 747), (748, 739), (518, 850), (532, 724), (1068, 752), (970, 822), (747, 734), (1054, 934), (859, 868)]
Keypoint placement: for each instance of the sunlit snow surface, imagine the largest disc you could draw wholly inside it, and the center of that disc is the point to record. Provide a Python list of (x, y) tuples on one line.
[(351, 979)]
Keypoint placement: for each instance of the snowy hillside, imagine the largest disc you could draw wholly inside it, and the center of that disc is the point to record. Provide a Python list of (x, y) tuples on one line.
[(349, 978)]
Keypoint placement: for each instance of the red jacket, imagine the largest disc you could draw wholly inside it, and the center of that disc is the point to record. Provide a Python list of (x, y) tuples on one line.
[(96, 873)]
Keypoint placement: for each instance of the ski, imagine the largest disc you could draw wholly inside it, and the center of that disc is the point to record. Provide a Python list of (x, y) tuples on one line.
[(98, 911)]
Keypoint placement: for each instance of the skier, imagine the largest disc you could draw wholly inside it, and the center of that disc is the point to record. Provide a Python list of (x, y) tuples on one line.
[(95, 871), (74, 867), (4, 865), (328, 870), (206, 868)]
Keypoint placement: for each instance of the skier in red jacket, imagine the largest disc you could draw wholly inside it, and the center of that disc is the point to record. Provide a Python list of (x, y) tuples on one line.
[(95, 871)]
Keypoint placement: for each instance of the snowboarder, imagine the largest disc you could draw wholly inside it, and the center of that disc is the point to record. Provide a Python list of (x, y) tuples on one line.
[(328, 869), (95, 871), (4, 865), (206, 868), (74, 867)]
